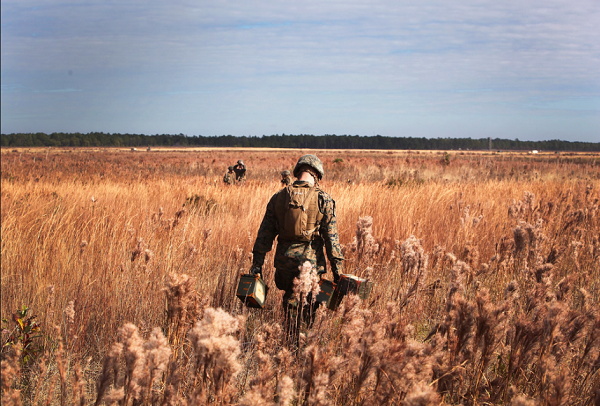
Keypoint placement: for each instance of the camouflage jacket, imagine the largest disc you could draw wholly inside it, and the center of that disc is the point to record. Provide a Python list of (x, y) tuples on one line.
[(228, 178), (240, 171), (291, 254)]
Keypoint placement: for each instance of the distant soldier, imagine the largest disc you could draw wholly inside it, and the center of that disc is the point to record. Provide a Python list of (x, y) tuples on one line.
[(228, 178), (240, 171), (286, 178), (302, 217)]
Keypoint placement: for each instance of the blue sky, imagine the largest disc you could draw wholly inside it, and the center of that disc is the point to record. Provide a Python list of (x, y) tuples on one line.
[(509, 69)]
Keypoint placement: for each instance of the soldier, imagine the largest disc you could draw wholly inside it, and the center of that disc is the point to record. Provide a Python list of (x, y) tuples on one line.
[(240, 171), (286, 178), (302, 202), (228, 178)]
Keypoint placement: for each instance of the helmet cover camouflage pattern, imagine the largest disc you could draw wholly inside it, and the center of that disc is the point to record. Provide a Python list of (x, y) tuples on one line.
[(230, 168), (313, 162), (240, 162), (285, 173)]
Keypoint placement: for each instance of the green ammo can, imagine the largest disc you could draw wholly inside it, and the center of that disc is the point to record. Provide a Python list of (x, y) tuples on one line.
[(350, 284), (252, 291)]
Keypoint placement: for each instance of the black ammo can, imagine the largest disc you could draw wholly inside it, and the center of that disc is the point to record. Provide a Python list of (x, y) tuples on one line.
[(252, 291), (350, 284)]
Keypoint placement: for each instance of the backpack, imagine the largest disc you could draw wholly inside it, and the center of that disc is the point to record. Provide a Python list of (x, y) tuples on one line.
[(297, 212)]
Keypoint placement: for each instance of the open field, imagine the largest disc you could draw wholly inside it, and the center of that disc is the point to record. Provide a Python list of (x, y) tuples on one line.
[(486, 268)]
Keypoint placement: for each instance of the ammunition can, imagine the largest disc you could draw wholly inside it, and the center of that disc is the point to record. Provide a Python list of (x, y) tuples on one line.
[(327, 289), (350, 284), (252, 291)]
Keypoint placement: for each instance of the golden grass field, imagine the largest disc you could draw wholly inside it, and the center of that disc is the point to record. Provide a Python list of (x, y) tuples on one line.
[(486, 271)]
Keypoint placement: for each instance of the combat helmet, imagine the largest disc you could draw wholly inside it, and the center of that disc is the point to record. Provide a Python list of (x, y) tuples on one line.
[(230, 168), (285, 173), (313, 162), (240, 162)]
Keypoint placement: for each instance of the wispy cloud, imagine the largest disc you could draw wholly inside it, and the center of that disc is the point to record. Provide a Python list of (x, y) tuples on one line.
[(248, 67), (57, 91)]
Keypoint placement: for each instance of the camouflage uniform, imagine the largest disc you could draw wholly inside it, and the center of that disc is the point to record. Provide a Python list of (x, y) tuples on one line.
[(291, 253), (240, 171), (286, 179), (228, 177)]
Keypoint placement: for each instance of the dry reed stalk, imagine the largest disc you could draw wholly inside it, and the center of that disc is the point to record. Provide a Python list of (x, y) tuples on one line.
[(306, 285), (216, 352), (78, 385), (182, 306), (261, 388), (11, 372), (137, 380), (364, 243)]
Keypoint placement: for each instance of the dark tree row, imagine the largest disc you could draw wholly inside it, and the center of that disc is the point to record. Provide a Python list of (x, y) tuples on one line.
[(99, 139)]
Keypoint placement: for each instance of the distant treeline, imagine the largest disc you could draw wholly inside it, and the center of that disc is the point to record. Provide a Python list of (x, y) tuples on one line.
[(99, 139)]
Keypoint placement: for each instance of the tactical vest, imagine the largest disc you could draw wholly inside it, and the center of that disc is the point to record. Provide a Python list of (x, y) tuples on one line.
[(297, 212)]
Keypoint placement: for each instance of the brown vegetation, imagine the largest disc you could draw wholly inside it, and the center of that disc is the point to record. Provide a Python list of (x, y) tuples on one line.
[(486, 270)]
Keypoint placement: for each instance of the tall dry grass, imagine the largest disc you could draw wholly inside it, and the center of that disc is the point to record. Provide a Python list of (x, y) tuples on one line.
[(486, 279)]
